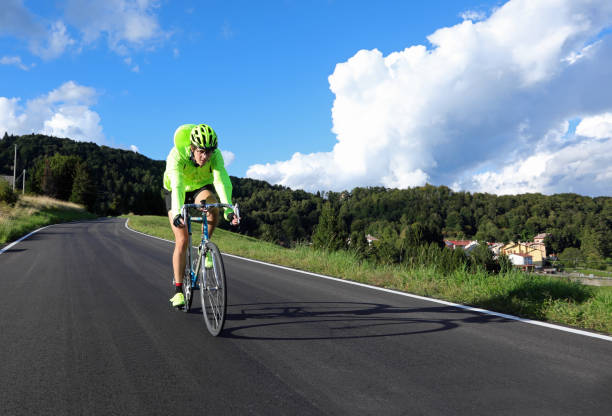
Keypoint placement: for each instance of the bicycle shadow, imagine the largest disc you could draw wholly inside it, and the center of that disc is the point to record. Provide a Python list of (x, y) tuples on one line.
[(299, 321)]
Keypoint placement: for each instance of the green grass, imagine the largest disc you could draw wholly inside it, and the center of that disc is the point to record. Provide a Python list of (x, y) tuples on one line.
[(526, 295), (32, 212)]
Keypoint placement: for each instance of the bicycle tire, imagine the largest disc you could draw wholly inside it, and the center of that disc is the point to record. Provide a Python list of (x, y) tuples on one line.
[(187, 291), (213, 291), (187, 286)]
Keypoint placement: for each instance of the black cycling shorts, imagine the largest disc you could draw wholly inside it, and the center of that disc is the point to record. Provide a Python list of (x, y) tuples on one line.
[(188, 195)]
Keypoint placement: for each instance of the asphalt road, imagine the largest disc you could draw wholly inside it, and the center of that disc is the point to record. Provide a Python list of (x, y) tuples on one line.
[(86, 329)]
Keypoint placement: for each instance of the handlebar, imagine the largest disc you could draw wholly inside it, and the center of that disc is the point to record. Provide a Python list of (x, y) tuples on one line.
[(204, 207)]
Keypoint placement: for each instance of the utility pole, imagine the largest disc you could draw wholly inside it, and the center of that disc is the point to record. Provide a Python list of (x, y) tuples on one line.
[(15, 168), (23, 186)]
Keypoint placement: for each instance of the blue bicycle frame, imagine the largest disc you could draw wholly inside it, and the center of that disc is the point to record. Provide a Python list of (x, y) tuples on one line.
[(205, 237)]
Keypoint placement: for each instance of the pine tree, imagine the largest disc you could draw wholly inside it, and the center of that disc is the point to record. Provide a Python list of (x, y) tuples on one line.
[(329, 234), (83, 189)]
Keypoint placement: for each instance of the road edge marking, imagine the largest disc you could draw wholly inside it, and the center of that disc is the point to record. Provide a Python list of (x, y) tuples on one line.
[(148, 235), (410, 295), (23, 238)]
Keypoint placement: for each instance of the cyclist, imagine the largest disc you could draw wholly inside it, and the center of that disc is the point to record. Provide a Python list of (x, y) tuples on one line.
[(193, 166)]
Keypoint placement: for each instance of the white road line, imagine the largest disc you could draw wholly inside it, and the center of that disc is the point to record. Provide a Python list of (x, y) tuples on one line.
[(396, 292), (148, 235), (23, 238)]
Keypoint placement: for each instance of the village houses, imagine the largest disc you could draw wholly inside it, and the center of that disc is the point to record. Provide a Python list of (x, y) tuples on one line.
[(524, 255)]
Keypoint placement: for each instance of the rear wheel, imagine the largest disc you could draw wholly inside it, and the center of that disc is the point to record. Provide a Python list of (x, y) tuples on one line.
[(187, 291), (213, 290), (187, 287)]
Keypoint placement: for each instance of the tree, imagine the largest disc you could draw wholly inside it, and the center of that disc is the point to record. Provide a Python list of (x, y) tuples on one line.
[(571, 255), (505, 264), (83, 189), (593, 244), (481, 257), (292, 227), (359, 244), (558, 240), (454, 223), (488, 231), (329, 233), (55, 175), (7, 194)]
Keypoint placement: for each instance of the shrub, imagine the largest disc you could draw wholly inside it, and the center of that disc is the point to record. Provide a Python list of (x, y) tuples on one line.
[(505, 265), (482, 258), (6, 193)]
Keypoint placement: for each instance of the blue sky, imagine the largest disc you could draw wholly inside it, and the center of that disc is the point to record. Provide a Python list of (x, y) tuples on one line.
[(327, 94)]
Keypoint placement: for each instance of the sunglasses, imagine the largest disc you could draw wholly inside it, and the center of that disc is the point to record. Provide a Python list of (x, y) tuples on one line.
[(203, 151)]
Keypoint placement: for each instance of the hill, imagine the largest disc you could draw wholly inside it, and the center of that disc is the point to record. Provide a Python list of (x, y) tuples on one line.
[(113, 181), (108, 181)]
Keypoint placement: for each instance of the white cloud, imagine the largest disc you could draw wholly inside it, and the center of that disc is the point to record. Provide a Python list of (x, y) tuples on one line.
[(599, 126), (16, 20), (473, 15), (126, 24), (63, 112), (134, 148), (584, 167), (14, 60), (54, 44), (228, 157), (581, 164), (484, 96)]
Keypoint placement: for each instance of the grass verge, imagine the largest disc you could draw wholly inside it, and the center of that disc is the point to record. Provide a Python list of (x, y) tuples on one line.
[(526, 295), (32, 212)]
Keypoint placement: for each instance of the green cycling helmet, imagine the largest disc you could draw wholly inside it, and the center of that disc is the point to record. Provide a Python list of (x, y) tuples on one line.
[(204, 137)]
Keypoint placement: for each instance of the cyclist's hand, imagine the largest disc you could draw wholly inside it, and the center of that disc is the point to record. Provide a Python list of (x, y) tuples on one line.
[(203, 209), (178, 221), (233, 219)]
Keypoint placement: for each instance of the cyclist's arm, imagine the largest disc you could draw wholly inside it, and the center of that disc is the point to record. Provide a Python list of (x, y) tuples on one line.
[(177, 185), (222, 182)]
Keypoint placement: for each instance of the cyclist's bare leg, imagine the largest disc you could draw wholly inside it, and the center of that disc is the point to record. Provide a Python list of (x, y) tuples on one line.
[(213, 214), (181, 238)]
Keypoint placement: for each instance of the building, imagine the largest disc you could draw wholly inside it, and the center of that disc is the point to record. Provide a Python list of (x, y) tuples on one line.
[(454, 244), (540, 238), (537, 251), (471, 246), (495, 248), (522, 261)]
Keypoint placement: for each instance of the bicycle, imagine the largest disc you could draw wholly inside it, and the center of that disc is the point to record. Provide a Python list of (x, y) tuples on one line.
[(210, 281)]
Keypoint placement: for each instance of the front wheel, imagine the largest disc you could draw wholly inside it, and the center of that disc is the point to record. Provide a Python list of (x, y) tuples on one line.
[(213, 291)]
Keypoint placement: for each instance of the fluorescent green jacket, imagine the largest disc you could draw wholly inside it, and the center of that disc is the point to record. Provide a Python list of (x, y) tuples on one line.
[(182, 175)]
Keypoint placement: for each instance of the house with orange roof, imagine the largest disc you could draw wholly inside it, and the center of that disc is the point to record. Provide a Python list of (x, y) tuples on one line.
[(454, 244), (540, 238), (537, 251)]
